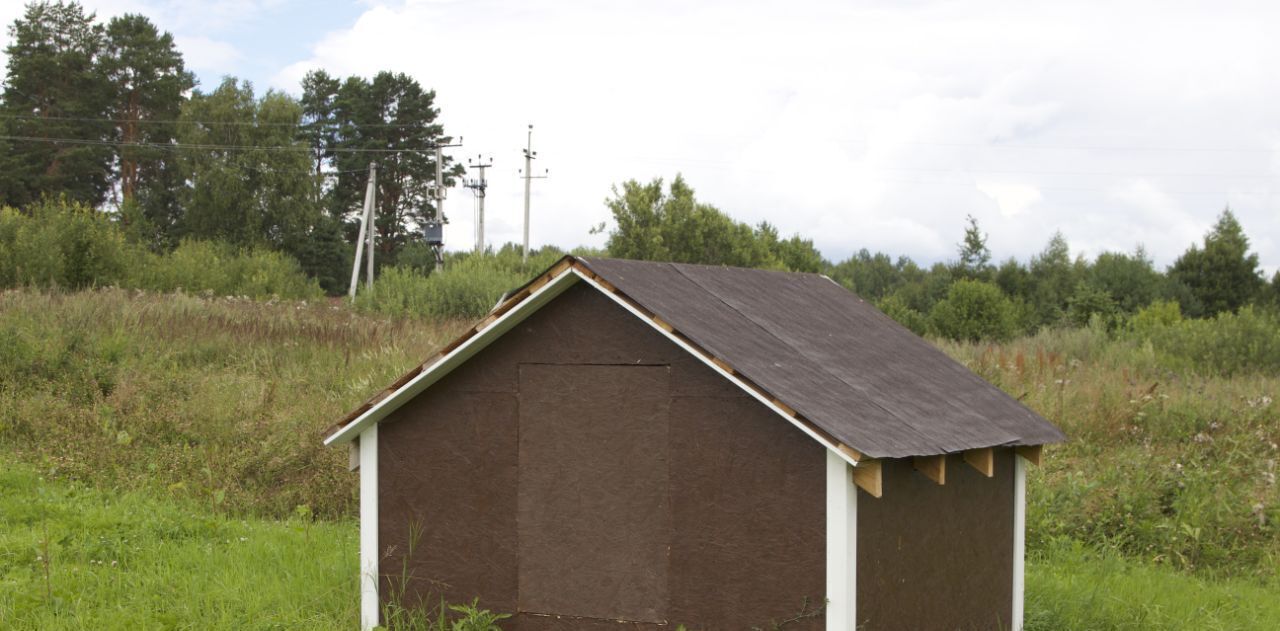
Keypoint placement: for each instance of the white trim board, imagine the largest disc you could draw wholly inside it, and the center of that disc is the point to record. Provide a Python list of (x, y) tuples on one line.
[(842, 546), (517, 314), (1019, 539), (369, 604)]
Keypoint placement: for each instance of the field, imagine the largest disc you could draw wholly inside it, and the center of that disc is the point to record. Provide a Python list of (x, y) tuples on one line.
[(162, 468)]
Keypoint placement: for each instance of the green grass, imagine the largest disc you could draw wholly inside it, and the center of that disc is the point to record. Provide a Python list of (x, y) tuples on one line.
[(1071, 587), (137, 561)]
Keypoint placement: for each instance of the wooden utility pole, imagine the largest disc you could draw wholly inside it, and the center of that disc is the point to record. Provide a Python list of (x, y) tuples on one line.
[(367, 230)]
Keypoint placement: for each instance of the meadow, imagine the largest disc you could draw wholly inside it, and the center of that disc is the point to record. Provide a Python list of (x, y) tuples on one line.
[(161, 465)]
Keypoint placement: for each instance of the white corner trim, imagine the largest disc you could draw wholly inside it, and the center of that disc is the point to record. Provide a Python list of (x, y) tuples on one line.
[(1019, 539), (369, 605), (842, 546), (455, 357), (722, 372)]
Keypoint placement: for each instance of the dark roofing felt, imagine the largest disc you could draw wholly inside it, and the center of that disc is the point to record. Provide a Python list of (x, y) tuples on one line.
[(831, 356)]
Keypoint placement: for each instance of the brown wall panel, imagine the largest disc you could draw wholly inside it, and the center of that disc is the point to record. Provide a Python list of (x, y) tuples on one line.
[(594, 519), (448, 466), (748, 495), (937, 557), (745, 489)]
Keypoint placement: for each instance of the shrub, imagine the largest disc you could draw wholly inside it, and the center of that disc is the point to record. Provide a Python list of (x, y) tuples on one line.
[(221, 269), (1230, 343), (973, 310), (60, 244), (894, 307), (467, 287)]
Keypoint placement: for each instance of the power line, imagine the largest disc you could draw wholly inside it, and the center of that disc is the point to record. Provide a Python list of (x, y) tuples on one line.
[(204, 146), (91, 119)]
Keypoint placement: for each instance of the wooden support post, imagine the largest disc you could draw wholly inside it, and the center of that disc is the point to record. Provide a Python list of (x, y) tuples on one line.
[(982, 460), (867, 475), (1031, 453), (933, 467)]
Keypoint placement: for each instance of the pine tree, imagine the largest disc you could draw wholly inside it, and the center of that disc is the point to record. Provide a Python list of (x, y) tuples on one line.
[(975, 258), (56, 104), (1223, 275), (149, 83)]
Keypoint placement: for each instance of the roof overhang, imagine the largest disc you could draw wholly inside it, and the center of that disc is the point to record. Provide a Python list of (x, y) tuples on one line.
[(525, 302)]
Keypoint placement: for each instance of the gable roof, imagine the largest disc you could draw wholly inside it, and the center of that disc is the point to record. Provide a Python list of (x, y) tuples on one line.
[(819, 355)]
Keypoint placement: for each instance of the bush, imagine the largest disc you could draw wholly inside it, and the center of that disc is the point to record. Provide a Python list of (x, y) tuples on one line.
[(1230, 343), (467, 287), (894, 307), (57, 244), (973, 310), (60, 244), (218, 268)]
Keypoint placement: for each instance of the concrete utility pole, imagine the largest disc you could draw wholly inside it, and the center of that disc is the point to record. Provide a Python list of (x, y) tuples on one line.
[(367, 230), (478, 186), (529, 155)]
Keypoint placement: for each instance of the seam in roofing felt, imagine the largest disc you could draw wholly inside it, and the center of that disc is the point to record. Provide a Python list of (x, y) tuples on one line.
[(907, 424)]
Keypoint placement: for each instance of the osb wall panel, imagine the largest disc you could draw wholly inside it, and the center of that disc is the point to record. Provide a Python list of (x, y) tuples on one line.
[(593, 517), (937, 557), (748, 516), (450, 478), (746, 491)]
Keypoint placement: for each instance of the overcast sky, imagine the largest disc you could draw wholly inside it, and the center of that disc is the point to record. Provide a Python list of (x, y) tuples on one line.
[(857, 124)]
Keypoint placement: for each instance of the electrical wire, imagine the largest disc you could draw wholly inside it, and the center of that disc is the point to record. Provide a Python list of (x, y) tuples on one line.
[(211, 147)]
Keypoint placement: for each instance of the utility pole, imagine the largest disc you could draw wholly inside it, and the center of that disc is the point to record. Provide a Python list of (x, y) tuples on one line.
[(433, 228), (529, 155), (478, 186), (367, 230)]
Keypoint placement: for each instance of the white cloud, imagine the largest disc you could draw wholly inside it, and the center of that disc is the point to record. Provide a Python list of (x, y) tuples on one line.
[(858, 124)]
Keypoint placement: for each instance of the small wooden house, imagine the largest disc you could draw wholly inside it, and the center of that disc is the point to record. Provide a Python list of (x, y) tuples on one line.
[(632, 445)]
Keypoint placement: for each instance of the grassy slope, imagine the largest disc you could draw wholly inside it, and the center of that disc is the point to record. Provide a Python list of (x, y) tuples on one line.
[(202, 417)]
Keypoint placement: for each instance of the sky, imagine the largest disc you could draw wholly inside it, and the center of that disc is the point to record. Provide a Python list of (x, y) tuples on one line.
[(877, 125)]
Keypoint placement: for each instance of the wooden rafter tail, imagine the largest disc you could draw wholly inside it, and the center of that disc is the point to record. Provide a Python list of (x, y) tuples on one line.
[(785, 408), (868, 475), (723, 365), (981, 459), (854, 454), (933, 467), (663, 324), (1031, 453)]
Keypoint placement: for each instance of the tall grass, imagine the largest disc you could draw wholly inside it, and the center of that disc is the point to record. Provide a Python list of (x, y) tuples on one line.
[(218, 399), (1166, 462)]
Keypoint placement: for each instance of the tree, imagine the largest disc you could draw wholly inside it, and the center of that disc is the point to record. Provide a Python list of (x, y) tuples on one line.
[(656, 225), (392, 120), (1053, 280), (1131, 281), (973, 310), (149, 83), (252, 186), (795, 254), (975, 258), (56, 105), (320, 116), (872, 276), (1222, 275)]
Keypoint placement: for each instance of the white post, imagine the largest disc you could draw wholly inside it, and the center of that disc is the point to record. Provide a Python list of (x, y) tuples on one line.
[(364, 223), (369, 605), (842, 545), (371, 198), (1019, 539)]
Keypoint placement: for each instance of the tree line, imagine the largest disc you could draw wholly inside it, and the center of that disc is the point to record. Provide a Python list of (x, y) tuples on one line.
[(104, 118), (106, 115), (968, 297)]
